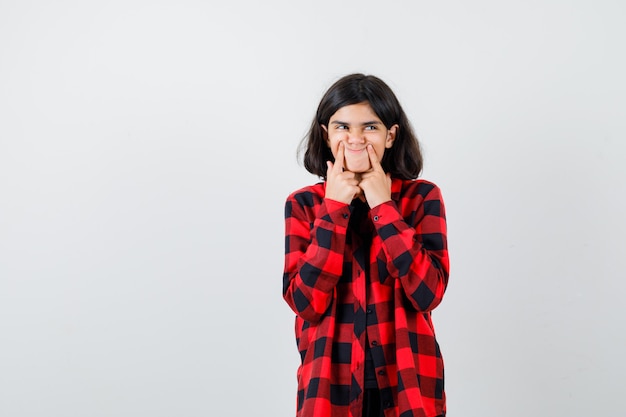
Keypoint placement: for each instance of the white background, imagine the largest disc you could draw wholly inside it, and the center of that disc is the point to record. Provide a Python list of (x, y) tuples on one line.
[(147, 147)]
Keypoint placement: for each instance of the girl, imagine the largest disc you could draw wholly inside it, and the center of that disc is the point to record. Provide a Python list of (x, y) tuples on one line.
[(366, 261)]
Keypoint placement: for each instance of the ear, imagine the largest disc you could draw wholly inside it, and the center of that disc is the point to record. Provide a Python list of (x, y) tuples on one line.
[(325, 129), (391, 136)]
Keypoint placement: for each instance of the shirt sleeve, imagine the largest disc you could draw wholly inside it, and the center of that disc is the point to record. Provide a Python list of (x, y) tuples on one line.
[(315, 238), (415, 246)]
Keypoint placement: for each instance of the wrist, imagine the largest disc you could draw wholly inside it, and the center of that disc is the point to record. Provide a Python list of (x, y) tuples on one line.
[(377, 203)]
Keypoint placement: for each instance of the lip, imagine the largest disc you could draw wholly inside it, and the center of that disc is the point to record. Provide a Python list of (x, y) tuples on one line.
[(355, 150)]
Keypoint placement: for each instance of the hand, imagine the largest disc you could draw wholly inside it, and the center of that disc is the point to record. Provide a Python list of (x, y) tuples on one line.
[(375, 183), (341, 185)]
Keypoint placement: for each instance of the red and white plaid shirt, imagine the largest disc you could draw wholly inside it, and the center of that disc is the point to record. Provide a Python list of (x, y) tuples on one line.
[(342, 303)]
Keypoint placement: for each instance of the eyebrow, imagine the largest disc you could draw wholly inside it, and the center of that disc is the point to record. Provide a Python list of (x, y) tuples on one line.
[(373, 122)]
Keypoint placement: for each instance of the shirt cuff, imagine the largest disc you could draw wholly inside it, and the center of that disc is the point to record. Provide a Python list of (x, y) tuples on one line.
[(335, 212), (385, 213)]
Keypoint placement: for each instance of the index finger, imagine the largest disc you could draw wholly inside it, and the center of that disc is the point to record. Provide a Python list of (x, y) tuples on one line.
[(373, 157), (340, 161)]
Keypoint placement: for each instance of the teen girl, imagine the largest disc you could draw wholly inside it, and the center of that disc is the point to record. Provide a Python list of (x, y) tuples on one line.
[(366, 262)]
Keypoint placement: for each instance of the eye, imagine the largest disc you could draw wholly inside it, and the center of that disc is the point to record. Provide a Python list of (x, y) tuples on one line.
[(341, 127), (370, 127)]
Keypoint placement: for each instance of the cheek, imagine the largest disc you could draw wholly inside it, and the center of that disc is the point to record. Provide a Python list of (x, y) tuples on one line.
[(333, 144), (380, 150)]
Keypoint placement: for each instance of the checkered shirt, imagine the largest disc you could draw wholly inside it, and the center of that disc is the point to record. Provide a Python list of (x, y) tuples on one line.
[(339, 309)]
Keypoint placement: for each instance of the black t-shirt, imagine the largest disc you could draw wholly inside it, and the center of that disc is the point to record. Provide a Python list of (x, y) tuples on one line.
[(362, 226)]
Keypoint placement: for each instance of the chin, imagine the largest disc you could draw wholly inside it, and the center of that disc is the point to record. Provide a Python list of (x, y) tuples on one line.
[(358, 168)]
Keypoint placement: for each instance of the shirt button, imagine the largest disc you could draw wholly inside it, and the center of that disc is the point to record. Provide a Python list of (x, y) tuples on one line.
[(374, 343), (368, 311), (345, 216), (381, 372), (375, 218), (388, 404)]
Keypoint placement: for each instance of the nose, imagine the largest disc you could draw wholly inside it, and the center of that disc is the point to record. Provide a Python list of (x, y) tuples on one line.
[(356, 137)]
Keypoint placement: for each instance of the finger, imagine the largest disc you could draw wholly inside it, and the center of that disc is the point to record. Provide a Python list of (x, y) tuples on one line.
[(329, 167), (340, 159), (373, 157)]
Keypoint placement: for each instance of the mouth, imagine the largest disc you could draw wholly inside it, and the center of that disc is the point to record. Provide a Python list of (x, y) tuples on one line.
[(355, 150)]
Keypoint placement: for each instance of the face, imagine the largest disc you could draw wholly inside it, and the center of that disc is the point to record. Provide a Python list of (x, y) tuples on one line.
[(357, 126)]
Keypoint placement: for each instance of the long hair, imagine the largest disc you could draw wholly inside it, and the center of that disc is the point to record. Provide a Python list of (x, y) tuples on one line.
[(403, 160)]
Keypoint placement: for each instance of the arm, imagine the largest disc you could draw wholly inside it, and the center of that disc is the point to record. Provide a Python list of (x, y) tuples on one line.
[(416, 253), (315, 235)]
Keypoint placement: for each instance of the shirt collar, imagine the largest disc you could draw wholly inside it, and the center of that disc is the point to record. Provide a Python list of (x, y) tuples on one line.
[(396, 187)]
